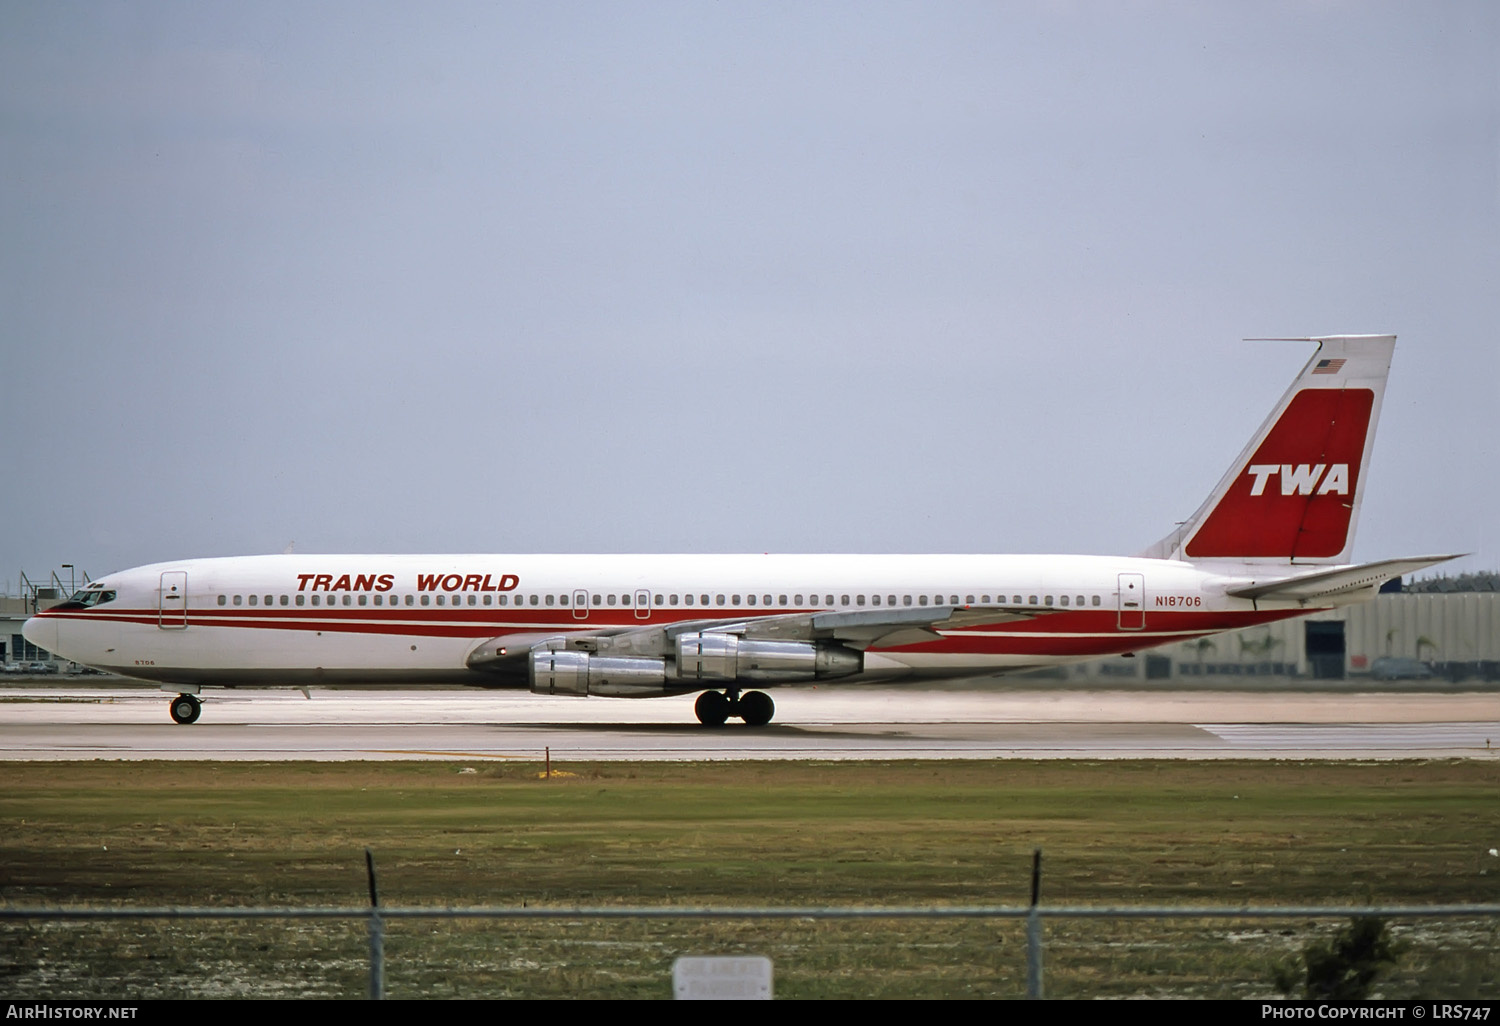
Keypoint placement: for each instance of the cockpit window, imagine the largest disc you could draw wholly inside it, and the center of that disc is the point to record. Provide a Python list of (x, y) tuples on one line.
[(90, 597)]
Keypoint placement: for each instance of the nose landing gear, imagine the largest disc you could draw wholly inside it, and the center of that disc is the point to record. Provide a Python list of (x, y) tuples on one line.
[(754, 707), (186, 709)]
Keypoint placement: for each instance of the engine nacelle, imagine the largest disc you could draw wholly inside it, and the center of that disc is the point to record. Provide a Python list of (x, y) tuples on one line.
[(709, 655), (561, 672)]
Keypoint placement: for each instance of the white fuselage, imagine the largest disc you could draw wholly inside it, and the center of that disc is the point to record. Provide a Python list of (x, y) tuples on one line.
[(295, 620)]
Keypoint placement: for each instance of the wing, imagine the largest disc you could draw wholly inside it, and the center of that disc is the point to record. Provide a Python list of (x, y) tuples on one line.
[(855, 629), (881, 628)]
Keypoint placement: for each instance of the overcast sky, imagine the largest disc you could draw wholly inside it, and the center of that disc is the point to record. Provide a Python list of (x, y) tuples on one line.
[(925, 277)]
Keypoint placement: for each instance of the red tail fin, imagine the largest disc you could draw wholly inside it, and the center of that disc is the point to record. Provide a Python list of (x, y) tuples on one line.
[(1293, 494)]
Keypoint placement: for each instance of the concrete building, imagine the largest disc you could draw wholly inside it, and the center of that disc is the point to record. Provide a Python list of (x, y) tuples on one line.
[(15, 609), (1456, 636)]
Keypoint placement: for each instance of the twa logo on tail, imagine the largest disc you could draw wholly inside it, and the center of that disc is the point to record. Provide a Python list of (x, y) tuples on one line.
[(1293, 494), (1299, 479), (1310, 514)]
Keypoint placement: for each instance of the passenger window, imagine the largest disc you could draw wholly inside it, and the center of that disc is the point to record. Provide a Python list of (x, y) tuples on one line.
[(737, 600), (660, 602), (504, 600), (1033, 600), (859, 600), (268, 600), (674, 599), (1049, 600), (985, 599), (906, 600), (767, 599), (781, 600), (1064, 600), (237, 600), (473, 600), (253, 598), (704, 600), (562, 600), (441, 599), (874, 600), (624, 600), (488, 599), (223, 599), (719, 600), (426, 599), (969, 599), (1096, 600), (300, 599), (1080, 600), (749, 599), (921, 600), (845, 598), (363, 599), (687, 600)]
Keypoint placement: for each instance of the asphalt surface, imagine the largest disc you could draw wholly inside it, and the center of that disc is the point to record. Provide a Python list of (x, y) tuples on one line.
[(88, 719)]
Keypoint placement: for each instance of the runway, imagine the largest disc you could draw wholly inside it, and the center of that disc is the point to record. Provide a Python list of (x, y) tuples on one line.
[(65, 722)]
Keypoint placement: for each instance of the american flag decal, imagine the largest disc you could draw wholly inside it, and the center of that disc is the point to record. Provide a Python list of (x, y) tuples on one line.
[(1328, 367)]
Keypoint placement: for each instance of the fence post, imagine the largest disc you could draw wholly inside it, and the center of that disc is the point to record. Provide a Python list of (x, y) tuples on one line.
[(377, 935), (1034, 931)]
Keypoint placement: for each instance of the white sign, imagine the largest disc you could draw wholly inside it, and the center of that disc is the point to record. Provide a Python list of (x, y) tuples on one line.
[(740, 978)]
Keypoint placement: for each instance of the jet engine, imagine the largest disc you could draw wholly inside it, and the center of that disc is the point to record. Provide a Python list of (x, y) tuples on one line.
[(562, 672), (704, 657), (712, 656)]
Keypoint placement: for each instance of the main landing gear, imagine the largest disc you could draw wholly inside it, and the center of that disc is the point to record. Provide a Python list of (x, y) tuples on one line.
[(754, 707), (186, 708)]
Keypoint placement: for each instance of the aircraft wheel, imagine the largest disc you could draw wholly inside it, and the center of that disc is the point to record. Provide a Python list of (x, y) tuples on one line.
[(756, 708), (186, 709), (712, 708)]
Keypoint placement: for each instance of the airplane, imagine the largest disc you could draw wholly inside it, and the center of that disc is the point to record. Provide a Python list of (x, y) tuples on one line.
[(1272, 541)]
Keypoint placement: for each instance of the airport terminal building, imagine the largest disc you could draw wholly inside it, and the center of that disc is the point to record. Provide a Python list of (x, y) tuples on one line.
[(1399, 636)]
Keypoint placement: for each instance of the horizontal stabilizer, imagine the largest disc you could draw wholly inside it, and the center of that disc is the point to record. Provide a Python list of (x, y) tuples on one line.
[(1340, 581)]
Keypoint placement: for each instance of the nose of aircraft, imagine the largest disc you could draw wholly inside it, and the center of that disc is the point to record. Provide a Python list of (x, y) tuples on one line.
[(41, 631)]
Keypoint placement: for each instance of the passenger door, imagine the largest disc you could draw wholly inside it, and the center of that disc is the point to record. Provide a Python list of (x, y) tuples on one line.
[(1132, 602), (171, 606)]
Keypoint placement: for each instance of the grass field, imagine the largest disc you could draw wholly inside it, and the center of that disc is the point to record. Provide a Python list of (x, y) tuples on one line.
[(1132, 833)]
